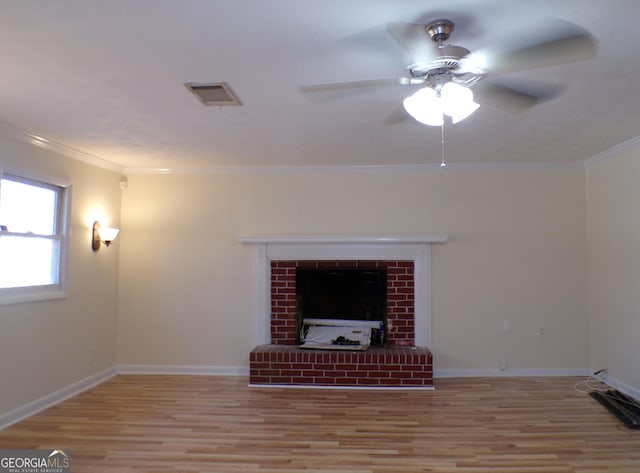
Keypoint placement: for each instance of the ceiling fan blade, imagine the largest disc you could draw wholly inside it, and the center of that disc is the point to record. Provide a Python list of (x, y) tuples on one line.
[(559, 43), (397, 117), (503, 98), (357, 84), (413, 38)]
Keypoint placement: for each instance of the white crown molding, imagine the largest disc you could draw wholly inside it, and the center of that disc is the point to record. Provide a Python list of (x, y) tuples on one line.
[(382, 169), (613, 152), (19, 134)]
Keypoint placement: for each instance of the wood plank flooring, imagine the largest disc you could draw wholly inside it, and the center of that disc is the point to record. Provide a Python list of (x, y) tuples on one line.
[(156, 423)]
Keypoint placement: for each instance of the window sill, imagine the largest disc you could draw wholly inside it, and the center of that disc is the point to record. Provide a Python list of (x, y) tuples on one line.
[(23, 295)]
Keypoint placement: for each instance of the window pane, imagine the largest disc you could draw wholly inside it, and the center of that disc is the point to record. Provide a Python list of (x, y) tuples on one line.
[(28, 261), (27, 208), (31, 240)]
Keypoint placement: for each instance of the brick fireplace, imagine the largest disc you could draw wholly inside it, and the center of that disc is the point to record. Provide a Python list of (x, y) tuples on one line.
[(404, 361), (400, 301)]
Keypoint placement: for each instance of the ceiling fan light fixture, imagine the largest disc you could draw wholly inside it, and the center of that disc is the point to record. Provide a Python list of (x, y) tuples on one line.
[(463, 111), (428, 106), (425, 106), (454, 94), (457, 101)]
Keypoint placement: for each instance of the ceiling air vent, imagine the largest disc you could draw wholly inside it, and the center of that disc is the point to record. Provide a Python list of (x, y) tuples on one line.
[(214, 94)]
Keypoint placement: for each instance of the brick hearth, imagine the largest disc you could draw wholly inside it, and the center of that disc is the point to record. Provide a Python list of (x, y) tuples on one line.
[(382, 367)]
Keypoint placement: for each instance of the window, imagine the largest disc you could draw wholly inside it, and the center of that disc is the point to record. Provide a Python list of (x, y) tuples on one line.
[(32, 240)]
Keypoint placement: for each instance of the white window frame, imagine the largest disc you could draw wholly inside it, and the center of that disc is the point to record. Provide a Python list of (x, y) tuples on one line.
[(17, 295)]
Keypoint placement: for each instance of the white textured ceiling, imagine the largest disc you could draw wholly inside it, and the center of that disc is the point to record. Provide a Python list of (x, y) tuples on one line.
[(106, 78)]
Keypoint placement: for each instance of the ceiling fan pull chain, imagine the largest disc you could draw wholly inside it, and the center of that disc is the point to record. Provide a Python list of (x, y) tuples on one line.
[(442, 163)]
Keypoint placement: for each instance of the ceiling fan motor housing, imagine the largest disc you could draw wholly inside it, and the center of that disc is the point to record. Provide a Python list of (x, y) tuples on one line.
[(448, 66), (439, 30)]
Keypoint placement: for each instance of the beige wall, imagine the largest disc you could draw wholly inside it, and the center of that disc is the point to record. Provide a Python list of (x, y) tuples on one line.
[(176, 287), (46, 346), (516, 251), (613, 196)]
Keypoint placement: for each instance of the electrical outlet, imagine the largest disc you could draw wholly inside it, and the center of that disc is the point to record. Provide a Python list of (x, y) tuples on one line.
[(502, 366), (542, 332)]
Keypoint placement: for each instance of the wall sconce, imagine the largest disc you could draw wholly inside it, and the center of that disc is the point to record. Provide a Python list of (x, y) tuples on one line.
[(102, 235)]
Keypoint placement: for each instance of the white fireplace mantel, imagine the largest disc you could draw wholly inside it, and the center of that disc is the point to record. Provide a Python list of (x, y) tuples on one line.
[(345, 239), (411, 248)]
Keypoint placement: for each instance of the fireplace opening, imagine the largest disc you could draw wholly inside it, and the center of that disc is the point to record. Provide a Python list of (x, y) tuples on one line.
[(341, 308)]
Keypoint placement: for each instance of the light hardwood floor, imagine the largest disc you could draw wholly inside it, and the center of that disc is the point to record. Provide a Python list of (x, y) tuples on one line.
[(154, 423)]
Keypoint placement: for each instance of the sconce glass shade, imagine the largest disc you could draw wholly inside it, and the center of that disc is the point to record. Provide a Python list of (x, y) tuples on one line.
[(428, 107), (102, 235), (107, 235)]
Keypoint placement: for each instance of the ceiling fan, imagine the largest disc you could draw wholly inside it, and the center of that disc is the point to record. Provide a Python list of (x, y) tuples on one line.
[(446, 73)]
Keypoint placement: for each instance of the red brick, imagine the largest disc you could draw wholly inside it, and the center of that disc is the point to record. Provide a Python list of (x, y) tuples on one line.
[(378, 374), (368, 367), (307, 264), (414, 382), (268, 372), (335, 373), (405, 303), (401, 374), (358, 374), (343, 381), (389, 382), (302, 380), (324, 381), (398, 284), (281, 379), (400, 329), (368, 382), (409, 278), (313, 373), (259, 380), (292, 373)]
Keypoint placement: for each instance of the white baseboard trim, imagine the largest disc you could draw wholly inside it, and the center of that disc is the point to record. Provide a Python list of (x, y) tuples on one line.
[(184, 369), (510, 373), (624, 388), (49, 400)]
